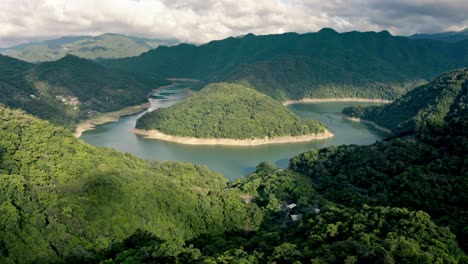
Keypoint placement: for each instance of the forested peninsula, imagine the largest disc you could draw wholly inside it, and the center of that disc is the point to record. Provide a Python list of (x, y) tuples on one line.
[(425, 105), (229, 114)]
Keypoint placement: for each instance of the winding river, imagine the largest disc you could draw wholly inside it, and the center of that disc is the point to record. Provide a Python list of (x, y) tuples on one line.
[(232, 161)]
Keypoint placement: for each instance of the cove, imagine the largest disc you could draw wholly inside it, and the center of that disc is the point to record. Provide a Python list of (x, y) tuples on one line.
[(232, 161)]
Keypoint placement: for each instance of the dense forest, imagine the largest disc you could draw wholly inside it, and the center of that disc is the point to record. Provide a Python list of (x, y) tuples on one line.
[(232, 111), (59, 203), (294, 66), (70, 89), (402, 200), (424, 107)]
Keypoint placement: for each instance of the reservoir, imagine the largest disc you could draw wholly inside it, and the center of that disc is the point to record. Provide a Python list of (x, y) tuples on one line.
[(232, 161)]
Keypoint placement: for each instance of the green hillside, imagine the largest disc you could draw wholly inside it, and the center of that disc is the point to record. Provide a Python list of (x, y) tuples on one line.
[(322, 64), (70, 89), (428, 174), (59, 204), (228, 111), (17, 92), (425, 107), (58, 201), (91, 47)]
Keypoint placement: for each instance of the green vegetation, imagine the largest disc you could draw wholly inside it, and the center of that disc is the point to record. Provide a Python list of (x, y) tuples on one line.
[(402, 200), (228, 111), (294, 66), (103, 46), (324, 232), (69, 90), (59, 202), (425, 107)]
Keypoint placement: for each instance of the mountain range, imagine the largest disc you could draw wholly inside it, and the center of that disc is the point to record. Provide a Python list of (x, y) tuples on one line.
[(107, 45), (451, 36), (294, 66)]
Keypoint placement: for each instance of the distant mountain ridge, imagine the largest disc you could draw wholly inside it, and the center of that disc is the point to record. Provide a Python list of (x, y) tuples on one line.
[(294, 66), (451, 36), (108, 45)]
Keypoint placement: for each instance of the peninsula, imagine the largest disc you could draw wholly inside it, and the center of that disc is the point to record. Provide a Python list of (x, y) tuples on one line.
[(229, 114)]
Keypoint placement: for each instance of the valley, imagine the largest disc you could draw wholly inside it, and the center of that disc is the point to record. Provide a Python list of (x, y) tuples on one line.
[(232, 161), (233, 132)]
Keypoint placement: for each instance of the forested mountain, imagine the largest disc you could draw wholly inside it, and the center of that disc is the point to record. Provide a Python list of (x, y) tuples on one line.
[(349, 200), (58, 203), (451, 36), (91, 47), (231, 111), (322, 64), (68, 90), (425, 107)]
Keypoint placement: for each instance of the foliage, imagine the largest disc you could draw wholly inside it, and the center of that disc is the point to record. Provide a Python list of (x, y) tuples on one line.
[(322, 64), (59, 202), (425, 107), (228, 111), (327, 233), (37, 88)]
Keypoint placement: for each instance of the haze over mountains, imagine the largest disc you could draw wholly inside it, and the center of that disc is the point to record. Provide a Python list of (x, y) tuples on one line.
[(451, 36), (107, 45)]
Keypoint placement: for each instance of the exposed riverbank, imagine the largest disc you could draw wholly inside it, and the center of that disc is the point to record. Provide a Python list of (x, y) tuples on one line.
[(325, 100), (103, 118), (357, 119), (155, 134)]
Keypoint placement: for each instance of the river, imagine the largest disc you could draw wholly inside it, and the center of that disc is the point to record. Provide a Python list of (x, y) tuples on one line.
[(232, 161)]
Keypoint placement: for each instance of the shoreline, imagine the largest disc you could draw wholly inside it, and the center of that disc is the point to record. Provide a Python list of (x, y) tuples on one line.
[(90, 124), (155, 134), (108, 117), (357, 119), (326, 100)]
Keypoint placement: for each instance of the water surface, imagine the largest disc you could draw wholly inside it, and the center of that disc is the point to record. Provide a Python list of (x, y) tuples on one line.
[(232, 161)]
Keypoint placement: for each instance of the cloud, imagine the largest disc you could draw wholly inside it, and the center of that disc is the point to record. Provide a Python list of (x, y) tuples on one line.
[(204, 20)]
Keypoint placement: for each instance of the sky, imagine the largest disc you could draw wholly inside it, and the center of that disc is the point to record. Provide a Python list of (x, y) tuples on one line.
[(199, 21)]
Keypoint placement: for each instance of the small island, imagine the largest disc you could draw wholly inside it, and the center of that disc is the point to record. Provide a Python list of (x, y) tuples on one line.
[(229, 114)]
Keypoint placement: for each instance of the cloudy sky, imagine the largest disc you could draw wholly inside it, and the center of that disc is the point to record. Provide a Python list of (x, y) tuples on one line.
[(203, 20)]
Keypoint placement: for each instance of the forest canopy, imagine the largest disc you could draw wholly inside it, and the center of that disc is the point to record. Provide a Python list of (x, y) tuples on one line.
[(226, 110)]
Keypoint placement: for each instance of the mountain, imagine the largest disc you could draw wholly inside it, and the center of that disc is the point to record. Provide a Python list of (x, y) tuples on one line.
[(294, 66), (107, 45), (451, 36), (68, 90), (62, 200), (230, 111), (425, 107), (61, 204)]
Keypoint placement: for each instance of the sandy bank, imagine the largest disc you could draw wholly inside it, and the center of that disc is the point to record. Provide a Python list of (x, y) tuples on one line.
[(155, 134), (324, 100), (89, 124), (357, 119)]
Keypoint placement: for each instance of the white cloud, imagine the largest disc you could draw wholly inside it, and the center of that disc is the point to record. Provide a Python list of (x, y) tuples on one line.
[(204, 20)]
